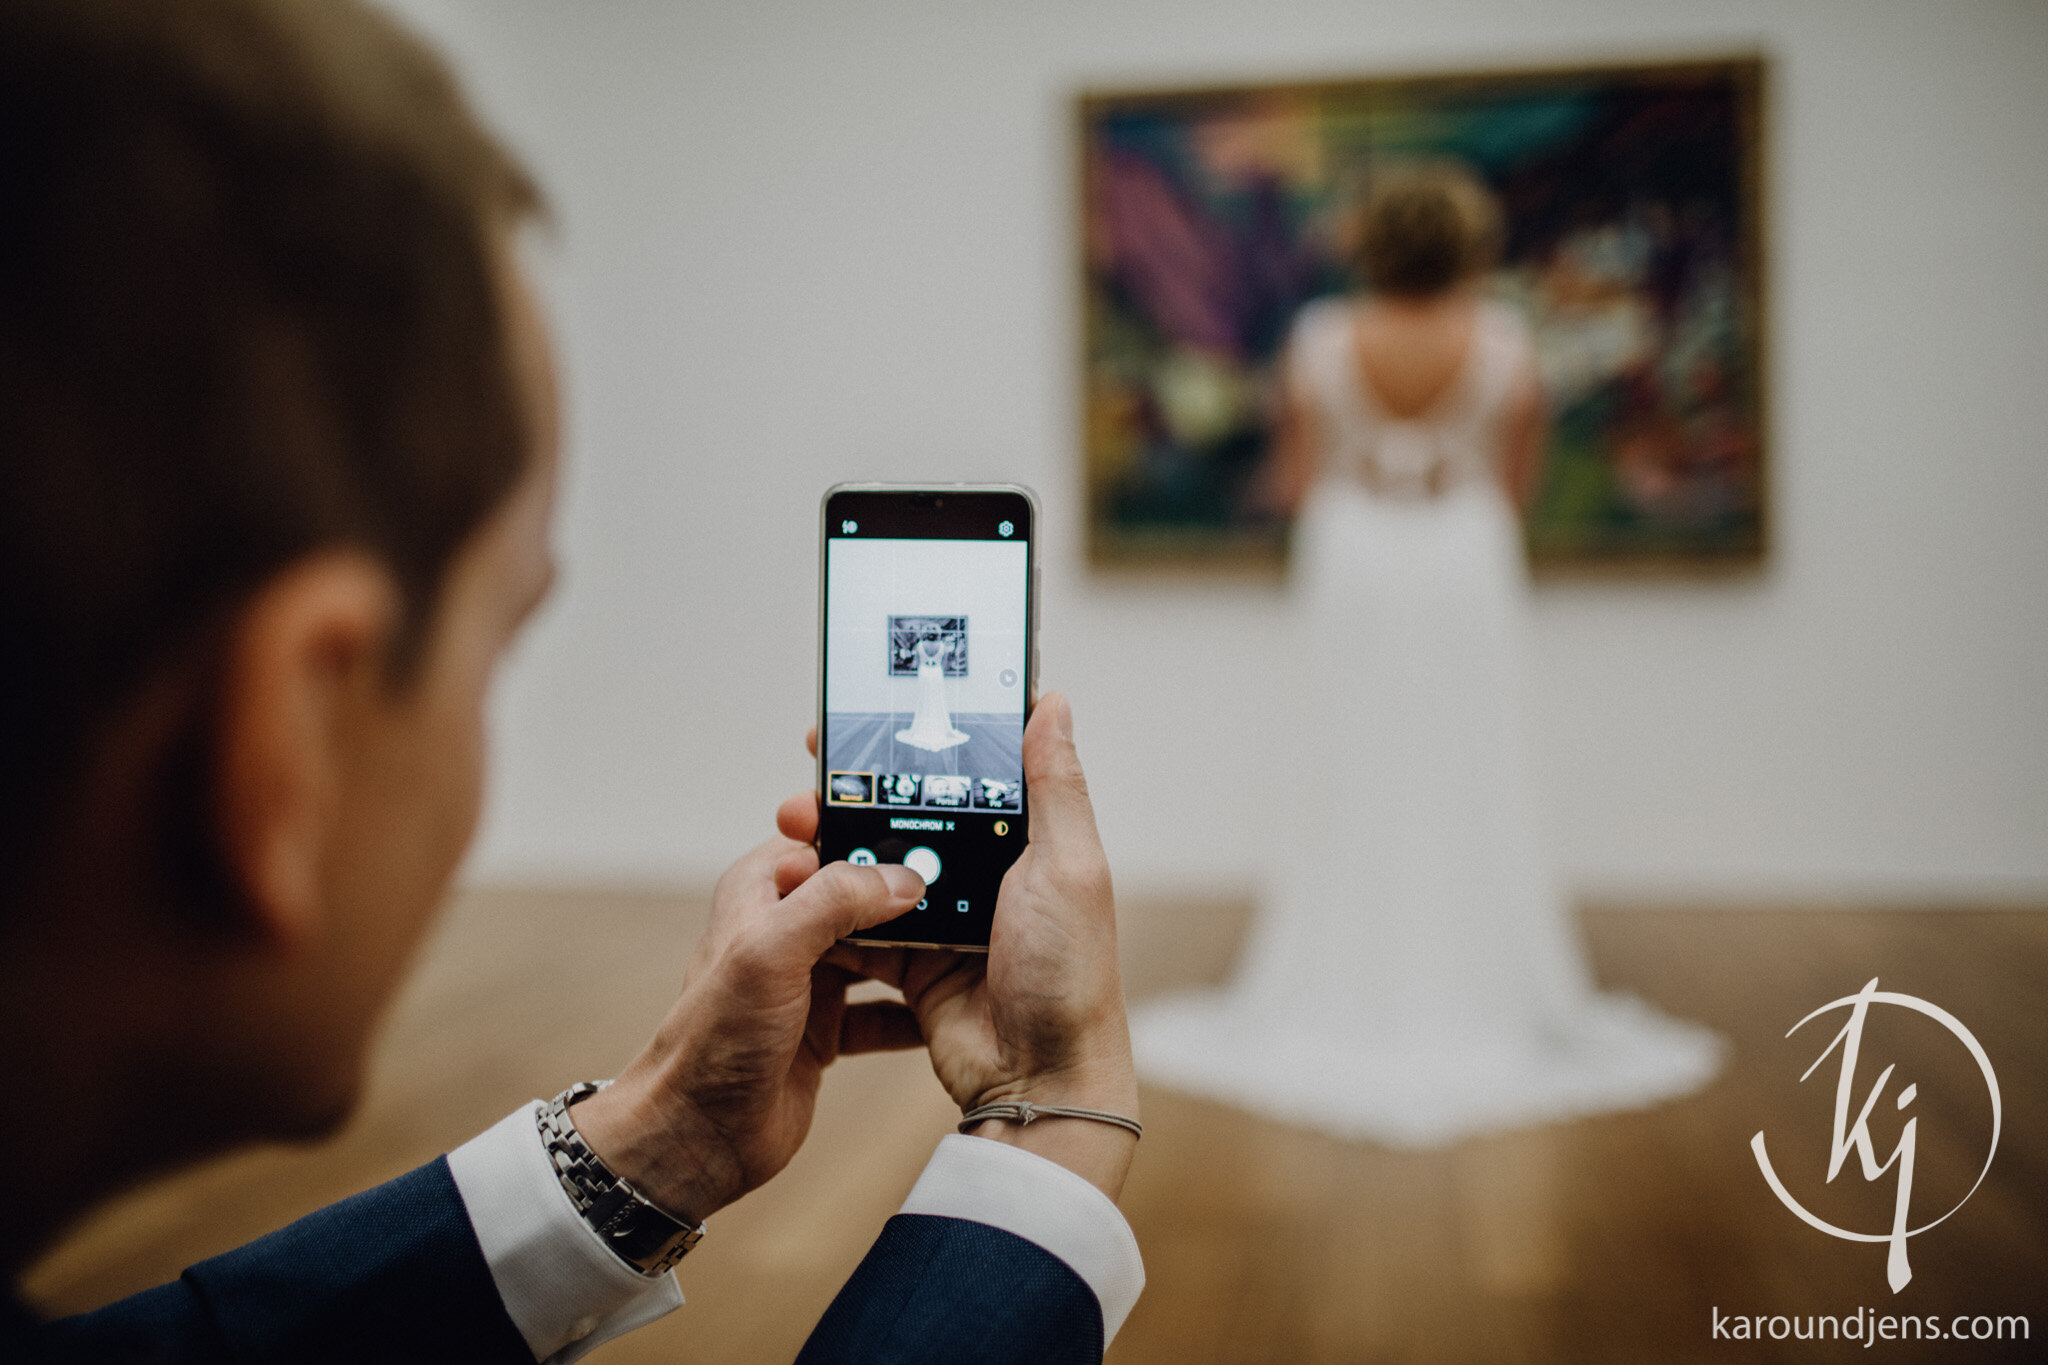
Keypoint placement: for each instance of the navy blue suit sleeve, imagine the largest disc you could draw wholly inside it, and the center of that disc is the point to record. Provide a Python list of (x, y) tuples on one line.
[(947, 1290), (392, 1275)]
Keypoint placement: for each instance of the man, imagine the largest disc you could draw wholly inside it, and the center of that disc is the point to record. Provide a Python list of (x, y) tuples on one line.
[(277, 464)]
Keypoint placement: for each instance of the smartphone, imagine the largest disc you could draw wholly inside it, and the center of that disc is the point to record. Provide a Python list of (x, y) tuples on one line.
[(927, 670)]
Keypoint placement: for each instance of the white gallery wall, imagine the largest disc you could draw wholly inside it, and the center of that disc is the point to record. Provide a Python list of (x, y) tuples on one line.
[(804, 242)]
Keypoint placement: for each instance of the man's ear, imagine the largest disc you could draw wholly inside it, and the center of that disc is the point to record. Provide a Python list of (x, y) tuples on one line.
[(307, 667)]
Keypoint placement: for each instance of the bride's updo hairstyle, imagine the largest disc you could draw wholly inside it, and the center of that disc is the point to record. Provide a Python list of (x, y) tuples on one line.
[(1425, 228)]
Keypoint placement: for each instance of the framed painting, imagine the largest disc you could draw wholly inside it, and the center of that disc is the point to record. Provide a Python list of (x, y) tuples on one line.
[(1633, 247)]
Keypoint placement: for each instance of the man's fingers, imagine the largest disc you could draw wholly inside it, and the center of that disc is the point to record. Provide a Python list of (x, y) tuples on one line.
[(926, 976), (828, 1009), (797, 817), (1061, 815), (811, 740), (878, 1026), (758, 863), (795, 868), (885, 965), (933, 976), (841, 899)]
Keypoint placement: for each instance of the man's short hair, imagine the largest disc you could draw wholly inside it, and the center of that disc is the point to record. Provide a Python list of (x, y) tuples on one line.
[(250, 307)]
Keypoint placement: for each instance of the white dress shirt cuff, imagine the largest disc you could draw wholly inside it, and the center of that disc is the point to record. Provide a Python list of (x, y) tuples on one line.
[(563, 1288), (984, 1181)]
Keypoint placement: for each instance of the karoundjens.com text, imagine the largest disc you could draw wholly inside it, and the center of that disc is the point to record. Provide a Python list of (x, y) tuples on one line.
[(1867, 1326)]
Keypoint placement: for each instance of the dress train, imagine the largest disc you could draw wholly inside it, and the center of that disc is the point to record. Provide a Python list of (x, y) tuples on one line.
[(1413, 975)]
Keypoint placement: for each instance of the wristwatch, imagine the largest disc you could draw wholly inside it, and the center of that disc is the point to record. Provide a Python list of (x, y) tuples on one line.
[(647, 1238)]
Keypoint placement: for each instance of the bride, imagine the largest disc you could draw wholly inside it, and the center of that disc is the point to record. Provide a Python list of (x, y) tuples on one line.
[(1413, 974), (932, 727)]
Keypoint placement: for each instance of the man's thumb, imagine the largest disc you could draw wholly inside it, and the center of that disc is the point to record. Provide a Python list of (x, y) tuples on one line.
[(1053, 780), (840, 900)]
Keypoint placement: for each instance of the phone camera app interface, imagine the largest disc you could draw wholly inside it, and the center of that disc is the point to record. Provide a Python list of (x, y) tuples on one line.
[(926, 645)]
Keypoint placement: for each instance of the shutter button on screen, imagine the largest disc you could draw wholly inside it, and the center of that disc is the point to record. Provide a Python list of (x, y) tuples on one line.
[(924, 863)]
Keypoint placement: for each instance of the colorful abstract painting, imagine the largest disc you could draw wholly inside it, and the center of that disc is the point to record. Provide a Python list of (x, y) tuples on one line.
[(1633, 248)]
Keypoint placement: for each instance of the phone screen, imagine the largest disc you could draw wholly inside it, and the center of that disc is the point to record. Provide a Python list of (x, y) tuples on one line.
[(927, 673)]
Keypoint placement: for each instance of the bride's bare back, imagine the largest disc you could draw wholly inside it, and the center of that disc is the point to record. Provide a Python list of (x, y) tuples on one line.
[(1411, 351), (1411, 357)]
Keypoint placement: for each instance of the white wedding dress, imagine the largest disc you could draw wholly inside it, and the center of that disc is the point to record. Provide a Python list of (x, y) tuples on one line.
[(931, 728), (1413, 975)]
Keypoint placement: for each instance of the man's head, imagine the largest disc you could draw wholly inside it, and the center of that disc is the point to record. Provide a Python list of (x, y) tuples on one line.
[(276, 464)]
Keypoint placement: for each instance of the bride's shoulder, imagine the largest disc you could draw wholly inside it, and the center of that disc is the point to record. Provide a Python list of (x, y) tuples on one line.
[(1504, 319), (1318, 343), (1320, 320), (1506, 331)]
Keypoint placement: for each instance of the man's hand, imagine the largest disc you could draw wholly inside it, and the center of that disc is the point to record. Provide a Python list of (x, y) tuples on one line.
[(723, 1096), (1041, 1018)]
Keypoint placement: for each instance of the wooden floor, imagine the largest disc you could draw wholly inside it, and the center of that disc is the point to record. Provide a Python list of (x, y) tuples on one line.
[(867, 743), (1611, 1239)]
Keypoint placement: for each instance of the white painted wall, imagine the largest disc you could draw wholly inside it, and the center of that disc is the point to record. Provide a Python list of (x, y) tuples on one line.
[(807, 242)]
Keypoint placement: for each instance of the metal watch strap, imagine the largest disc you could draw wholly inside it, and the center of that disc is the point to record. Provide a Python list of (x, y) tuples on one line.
[(645, 1237)]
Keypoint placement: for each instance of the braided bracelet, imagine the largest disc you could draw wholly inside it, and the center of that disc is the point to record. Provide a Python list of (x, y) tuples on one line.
[(1024, 1111)]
